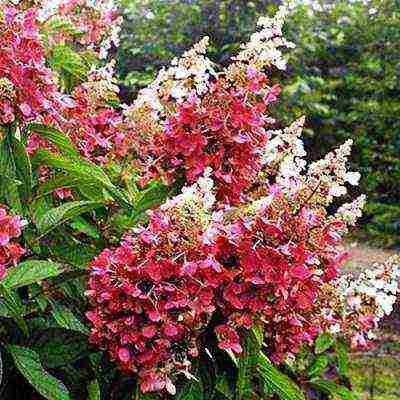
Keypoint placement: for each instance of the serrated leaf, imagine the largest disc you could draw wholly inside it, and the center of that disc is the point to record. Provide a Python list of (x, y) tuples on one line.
[(28, 363), (278, 382), (66, 319), (323, 342), (59, 215), (31, 271)]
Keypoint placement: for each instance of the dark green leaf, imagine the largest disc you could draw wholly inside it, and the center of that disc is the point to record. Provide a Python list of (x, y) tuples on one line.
[(23, 168), (56, 137), (58, 347), (333, 389), (28, 363), (59, 215), (318, 366), (66, 319), (94, 390), (222, 386), (15, 307), (191, 391), (277, 381), (31, 271), (323, 342)]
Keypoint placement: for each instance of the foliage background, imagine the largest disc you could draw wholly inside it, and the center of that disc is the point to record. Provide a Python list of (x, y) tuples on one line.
[(343, 75)]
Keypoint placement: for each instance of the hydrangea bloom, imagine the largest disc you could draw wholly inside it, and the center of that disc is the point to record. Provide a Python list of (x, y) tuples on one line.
[(95, 24), (91, 124), (192, 118), (153, 295), (10, 228), (27, 88), (364, 301)]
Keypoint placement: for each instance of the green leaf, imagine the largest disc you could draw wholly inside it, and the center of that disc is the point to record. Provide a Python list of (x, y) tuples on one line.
[(333, 389), (191, 391), (83, 226), (277, 381), (31, 271), (66, 319), (56, 137), (147, 198), (342, 357), (94, 390), (9, 181), (323, 342), (84, 170), (23, 168), (61, 182), (222, 386), (15, 307), (71, 66), (247, 363), (318, 366), (58, 347), (75, 253), (59, 215), (28, 363)]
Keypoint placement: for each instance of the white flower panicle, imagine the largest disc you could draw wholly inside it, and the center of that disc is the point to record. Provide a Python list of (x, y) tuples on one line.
[(263, 49), (285, 142), (351, 212), (331, 173), (367, 299), (199, 195), (189, 73), (286, 150)]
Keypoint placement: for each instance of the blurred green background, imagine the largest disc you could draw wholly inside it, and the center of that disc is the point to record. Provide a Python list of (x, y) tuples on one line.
[(343, 75)]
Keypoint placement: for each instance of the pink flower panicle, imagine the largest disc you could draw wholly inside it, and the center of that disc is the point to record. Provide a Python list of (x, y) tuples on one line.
[(10, 229), (27, 88), (94, 25), (152, 296)]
